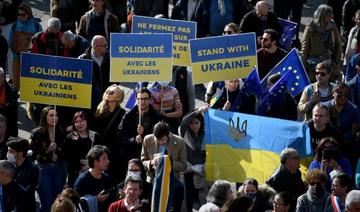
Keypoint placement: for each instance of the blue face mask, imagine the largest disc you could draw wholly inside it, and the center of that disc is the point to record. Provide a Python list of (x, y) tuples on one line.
[(251, 195)]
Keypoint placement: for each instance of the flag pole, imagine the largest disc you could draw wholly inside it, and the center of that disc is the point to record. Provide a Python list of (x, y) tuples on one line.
[(139, 104)]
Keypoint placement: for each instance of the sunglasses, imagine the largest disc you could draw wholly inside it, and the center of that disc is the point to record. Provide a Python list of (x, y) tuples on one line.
[(110, 92), (227, 32), (320, 73)]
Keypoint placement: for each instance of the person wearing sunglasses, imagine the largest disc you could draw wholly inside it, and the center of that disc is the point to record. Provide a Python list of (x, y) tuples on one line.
[(345, 116), (315, 197), (270, 53), (317, 92), (20, 36), (108, 116)]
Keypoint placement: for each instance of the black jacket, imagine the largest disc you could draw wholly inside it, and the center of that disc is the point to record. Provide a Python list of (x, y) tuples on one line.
[(252, 23), (19, 194), (9, 110), (3, 52), (81, 45), (127, 131), (101, 74), (283, 180)]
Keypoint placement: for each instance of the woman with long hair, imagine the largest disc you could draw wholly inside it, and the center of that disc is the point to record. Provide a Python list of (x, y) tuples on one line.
[(107, 118), (77, 144), (20, 36), (322, 42), (46, 143), (192, 130)]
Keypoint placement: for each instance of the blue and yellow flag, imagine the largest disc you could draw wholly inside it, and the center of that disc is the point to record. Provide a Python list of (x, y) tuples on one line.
[(163, 186), (239, 146)]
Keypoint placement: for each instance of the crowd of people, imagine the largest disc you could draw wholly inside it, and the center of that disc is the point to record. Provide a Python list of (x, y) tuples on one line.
[(106, 158)]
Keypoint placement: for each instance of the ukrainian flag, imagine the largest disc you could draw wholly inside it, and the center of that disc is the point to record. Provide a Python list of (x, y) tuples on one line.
[(163, 185), (239, 146)]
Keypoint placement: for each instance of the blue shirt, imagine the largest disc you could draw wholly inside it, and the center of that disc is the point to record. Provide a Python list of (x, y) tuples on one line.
[(343, 163), (346, 117)]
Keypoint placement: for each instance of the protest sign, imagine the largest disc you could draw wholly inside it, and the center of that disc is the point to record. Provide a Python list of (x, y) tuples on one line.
[(140, 57), (222, 57), (182, 32), (55, 80)]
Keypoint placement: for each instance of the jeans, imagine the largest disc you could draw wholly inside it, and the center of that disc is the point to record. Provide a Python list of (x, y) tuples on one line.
[(51, 182)]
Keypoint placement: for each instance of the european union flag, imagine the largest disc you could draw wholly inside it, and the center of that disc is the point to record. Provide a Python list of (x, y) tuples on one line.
[(239, 145), (297, 79), (251, 86), (289, 31), (274, 97)]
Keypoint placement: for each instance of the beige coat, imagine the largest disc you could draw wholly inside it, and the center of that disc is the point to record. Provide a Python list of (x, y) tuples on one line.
[(176, 149)]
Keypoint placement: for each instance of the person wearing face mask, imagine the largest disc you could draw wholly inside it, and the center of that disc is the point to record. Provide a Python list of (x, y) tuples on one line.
[(259, 196), (315, 198), (166, 100), (26, 172), (135, 168)]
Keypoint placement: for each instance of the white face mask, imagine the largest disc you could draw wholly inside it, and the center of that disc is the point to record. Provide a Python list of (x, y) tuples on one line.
[(137, 173), (163, 84), (11, 157)]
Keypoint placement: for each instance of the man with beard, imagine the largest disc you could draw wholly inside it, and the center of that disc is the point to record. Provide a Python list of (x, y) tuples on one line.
[(269, 54)]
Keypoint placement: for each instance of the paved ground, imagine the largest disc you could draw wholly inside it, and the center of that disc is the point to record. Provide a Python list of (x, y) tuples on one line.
[(41, 10)]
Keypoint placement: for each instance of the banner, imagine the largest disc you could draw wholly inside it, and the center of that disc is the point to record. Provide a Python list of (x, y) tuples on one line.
[(222, 57), (140, 57), (55, 80), (239, 146), (182, 32)]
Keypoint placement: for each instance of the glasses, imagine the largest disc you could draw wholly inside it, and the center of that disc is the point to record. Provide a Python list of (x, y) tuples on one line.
[(227, 32), (320, 73), (21, 14), (110, 92), (278, 204), (265, 39)]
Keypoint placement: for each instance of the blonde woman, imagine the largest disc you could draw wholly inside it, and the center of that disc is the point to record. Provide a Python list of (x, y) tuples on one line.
[(107, 119)]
